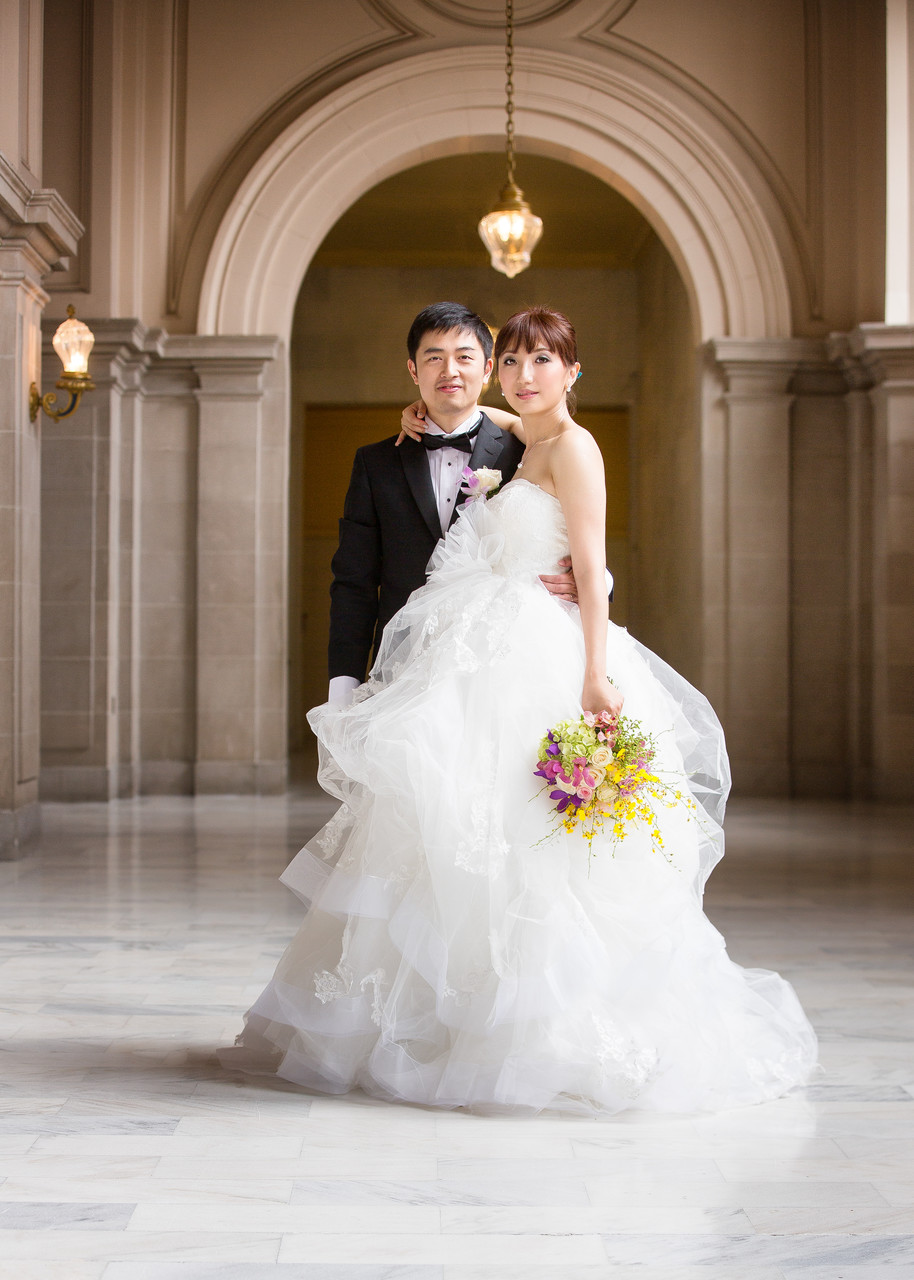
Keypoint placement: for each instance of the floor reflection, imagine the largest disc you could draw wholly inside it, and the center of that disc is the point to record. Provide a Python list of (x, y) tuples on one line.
[(136, 933)]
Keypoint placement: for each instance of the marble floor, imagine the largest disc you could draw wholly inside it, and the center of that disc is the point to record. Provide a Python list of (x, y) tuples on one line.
[(135, 934)]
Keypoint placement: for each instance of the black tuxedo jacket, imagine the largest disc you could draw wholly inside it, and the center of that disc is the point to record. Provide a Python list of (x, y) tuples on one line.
[(389, 529)]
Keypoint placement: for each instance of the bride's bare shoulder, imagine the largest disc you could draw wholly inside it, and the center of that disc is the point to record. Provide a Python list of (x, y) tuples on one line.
[(576, 447)]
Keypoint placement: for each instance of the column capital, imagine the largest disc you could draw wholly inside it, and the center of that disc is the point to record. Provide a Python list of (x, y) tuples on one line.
[(886, 351), (205, 348), (227, 367), (40, 217), (763, 367), (857, 377)]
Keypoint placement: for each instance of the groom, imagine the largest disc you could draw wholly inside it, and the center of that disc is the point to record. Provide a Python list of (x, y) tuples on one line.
[(402, 499)]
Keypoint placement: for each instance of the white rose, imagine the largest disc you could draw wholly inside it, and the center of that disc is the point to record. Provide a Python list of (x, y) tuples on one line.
[(488, 478), (601, 757)]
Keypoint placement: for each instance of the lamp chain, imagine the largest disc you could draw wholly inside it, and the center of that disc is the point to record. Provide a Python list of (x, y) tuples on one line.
[(509, 87)]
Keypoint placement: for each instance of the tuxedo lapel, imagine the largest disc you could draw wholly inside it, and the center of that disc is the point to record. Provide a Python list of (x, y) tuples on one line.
[(488, 444), (487, 448), (415, 466)]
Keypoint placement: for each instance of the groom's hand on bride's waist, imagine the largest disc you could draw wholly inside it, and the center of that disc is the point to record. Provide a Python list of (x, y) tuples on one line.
[(563, 584)]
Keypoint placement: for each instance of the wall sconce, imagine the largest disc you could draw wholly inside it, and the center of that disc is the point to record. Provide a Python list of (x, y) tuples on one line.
[(73, 341)]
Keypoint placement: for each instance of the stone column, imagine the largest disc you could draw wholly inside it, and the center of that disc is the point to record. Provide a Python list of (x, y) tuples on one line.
[(36, 228), (241, 558), (859, 541), (757, 544), (887, 352), (88, 605), (821, 584), (899, 169)]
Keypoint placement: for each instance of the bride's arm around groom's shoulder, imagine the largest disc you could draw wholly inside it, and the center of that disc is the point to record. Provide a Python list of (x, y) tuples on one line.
[(504, 420)]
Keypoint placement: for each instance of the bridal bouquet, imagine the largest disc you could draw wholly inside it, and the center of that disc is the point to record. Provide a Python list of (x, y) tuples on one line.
[(598, 769)]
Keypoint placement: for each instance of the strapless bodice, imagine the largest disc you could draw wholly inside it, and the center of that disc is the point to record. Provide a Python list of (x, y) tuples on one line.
[(532, 524)]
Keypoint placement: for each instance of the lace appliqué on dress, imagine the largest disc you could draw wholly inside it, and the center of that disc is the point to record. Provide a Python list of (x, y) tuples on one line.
[(329, 839), (469, 985), (375, 980), (403, 874), (332, 986), (630, 1066), (340, 983), (486, 849)]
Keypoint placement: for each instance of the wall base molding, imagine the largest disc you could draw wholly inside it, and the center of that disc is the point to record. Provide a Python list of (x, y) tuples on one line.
[(221, 777), (17, 828)]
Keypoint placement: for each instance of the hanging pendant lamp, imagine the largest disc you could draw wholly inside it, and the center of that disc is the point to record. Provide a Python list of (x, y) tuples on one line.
[(510, 232)]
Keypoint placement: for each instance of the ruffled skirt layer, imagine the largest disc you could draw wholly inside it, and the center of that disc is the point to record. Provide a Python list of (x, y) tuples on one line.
[(452, 957)]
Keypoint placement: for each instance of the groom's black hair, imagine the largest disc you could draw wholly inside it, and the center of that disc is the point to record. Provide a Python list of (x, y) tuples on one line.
[(443, 317)]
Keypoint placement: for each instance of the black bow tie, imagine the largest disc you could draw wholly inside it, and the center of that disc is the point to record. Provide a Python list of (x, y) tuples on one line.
[(463, 442)]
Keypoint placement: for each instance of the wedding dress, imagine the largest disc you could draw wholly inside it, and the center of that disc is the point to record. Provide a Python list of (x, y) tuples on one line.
[(451, 955)]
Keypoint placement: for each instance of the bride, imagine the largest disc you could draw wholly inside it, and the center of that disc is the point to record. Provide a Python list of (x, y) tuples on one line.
[(451, 954)]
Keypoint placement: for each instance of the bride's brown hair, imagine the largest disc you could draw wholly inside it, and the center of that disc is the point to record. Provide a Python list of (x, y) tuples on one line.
[(538, 327)]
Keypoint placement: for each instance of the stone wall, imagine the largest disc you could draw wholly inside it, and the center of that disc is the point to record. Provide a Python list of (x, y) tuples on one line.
[(164, 572), (208, 158)]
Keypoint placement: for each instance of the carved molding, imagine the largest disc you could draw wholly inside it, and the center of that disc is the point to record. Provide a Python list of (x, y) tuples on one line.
[(794, 366), (193, 229), (771, 351), (481, 13), (178, 134), (815, 159), (700, 191), (193, 225), (804, 224), (40, 223), (129, 357), (886, 351), (78, 278), (489, 15)]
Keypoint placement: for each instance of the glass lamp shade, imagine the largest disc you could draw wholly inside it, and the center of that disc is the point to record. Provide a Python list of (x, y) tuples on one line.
[(511, 232), (73, 341)]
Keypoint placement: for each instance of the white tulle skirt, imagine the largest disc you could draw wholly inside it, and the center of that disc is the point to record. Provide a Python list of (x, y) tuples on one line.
[(449, 955)]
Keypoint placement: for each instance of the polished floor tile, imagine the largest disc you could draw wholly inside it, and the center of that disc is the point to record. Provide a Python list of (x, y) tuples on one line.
[(135, 934)]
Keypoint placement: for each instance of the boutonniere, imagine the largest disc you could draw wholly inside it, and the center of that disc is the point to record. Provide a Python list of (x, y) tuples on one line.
[(481, 483)]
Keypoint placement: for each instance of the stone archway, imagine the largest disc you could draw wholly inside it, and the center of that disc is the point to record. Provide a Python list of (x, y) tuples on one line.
[(710, 206), (700, 198)]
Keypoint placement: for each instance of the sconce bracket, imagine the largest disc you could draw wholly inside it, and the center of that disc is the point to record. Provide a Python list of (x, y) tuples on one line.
[(73, 383)]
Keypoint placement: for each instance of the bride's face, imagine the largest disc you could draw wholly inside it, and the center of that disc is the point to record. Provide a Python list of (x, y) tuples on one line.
[(535, 381)]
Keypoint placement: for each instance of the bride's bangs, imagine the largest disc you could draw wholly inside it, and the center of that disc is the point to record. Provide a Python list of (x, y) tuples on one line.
[(538, 327)]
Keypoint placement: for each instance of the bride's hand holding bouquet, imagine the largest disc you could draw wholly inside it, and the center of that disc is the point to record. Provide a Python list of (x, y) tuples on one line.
[(600, 694)]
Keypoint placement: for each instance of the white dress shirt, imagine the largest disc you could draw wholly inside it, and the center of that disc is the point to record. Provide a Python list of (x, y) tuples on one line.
[(446, 468)]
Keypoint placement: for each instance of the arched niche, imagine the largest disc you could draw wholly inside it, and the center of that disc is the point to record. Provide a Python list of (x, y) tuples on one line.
[(701, 198), (728, 237)]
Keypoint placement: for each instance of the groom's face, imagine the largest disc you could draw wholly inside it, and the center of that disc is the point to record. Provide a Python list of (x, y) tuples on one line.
[(450, 369)]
